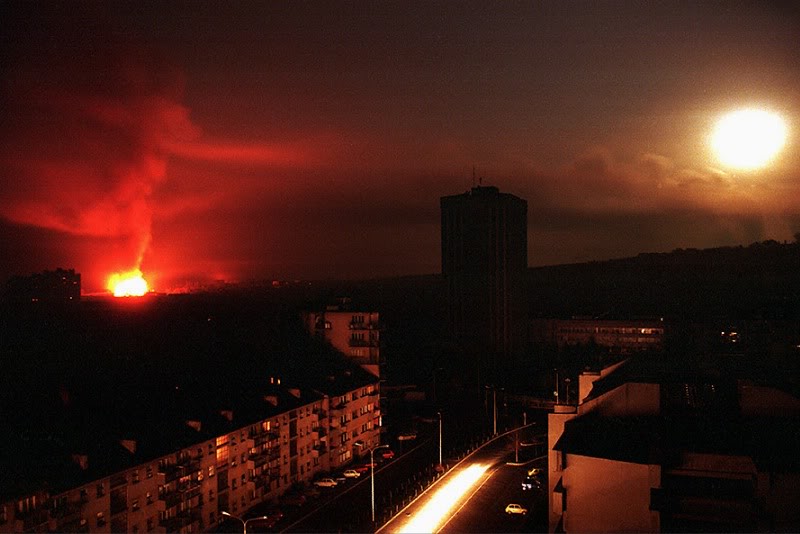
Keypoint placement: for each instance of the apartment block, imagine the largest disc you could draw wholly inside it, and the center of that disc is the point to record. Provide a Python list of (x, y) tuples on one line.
[(620, 336), (353, 332), (179, 476)]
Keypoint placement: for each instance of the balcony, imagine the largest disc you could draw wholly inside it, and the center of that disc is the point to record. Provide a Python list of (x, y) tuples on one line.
[(168, 473), (189, 463), (78, 524), (258, 481), (119, 504), (34, 519), (181, 520), (171, 499), (190, 489), (67, 511), (364, 343), (364, 326), (118, 480)]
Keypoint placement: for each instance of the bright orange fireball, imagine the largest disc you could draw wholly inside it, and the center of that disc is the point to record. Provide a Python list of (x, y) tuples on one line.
[(128, 284)]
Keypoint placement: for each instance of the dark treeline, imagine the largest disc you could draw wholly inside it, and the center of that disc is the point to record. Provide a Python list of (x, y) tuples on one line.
[(760, 280)]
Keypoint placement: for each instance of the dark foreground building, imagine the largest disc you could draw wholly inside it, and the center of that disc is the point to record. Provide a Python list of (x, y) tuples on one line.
[(677, 444), (484, 265), (49, 286)]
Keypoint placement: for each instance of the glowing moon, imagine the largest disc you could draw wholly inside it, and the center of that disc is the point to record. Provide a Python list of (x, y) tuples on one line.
[(748, 139)]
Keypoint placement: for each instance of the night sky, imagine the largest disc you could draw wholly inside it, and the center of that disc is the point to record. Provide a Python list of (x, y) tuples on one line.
[(257, 140)]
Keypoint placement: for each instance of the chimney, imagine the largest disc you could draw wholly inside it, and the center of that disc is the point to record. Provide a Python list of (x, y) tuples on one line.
[(129, 445), (295, 392), (82, 460), (194, 424), (227, 414), (272, 399)]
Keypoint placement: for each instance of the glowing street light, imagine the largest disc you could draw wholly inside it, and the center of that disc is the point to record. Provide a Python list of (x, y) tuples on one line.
[(372, 473), (244, 521)]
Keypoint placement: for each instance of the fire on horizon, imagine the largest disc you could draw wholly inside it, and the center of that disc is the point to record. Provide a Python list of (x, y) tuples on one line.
[(128, 284)]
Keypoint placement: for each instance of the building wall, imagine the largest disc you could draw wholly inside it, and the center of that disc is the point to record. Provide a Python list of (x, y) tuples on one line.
[(627, 400), (587, 378), (555, 460), (760, 400), (609, 496)]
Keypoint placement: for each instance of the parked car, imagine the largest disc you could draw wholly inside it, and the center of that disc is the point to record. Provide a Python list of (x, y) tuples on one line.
[(293, 499), (325, 483), (351, 473), (407, 436), (531, 483), (516, 509), (311, 492), (273, 517), (387, 454), (362, 468)]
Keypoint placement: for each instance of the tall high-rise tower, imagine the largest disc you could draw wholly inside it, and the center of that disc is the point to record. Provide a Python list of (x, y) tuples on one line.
[(484, 265)]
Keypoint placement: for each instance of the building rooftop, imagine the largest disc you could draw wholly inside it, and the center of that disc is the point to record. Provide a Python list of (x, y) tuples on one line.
[(771, 442)]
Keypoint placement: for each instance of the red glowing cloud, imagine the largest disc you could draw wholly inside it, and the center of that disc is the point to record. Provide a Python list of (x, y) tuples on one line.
[(84, 144)]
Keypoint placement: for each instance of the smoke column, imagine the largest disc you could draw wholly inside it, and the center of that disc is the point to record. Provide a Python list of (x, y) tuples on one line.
[(90, 113)]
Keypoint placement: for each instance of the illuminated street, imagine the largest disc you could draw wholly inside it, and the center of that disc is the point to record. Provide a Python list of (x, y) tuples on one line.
[(473, 495)]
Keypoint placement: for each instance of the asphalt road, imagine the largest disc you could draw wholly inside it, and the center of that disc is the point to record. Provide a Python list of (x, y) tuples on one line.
[(482, 509)]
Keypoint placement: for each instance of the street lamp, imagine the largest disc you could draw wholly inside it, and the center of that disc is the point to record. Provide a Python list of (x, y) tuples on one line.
[(556, 391), (244, 521), (440, 438), (372, 473), (494, 406)]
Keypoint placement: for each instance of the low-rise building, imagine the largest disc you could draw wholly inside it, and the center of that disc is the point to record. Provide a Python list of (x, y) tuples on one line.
[(617, 336)]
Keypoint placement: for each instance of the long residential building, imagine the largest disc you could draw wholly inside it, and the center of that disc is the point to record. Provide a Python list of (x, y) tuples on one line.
[(622, 336), (180, 475)]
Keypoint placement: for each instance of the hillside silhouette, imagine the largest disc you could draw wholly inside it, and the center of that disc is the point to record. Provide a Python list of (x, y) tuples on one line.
[(761, 280)]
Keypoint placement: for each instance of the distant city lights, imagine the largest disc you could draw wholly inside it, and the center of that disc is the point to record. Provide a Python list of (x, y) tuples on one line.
[(432, 514)]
